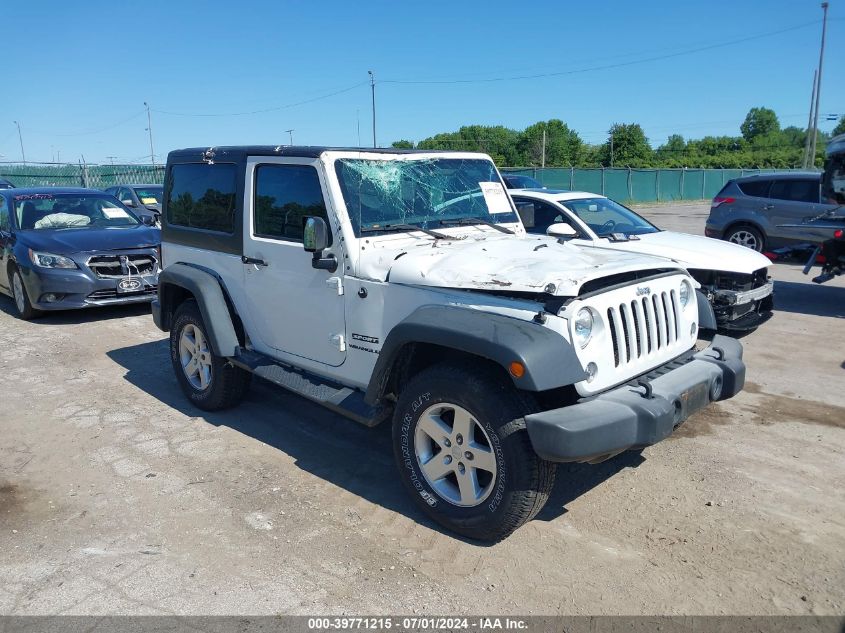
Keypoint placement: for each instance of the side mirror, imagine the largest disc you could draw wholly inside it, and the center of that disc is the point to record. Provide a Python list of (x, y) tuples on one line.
[(149, 220), (128, 203), (562, 230), (315, 239), (526, 213)]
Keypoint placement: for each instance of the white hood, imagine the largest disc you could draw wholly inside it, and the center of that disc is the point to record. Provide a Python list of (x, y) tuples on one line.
[(693, 251), (516, 263)]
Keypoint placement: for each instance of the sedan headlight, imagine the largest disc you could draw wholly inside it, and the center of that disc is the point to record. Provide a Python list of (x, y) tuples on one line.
[(685, 293), (48, 260), (583, 326)]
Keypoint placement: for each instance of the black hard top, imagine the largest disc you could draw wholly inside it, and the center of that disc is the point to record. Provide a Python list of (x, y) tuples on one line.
[(239, 152)]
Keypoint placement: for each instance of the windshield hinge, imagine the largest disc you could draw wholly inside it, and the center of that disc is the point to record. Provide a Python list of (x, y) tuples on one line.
[(338, 341), (337, 282)]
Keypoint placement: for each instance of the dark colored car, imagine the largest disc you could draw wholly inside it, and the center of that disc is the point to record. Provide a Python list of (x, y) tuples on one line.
[(753, 210), (144, 200), (5, 184), (518, 181), (64, 248)]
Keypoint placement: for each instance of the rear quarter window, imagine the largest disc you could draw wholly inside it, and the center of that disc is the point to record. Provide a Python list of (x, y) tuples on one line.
[(756, 188), (202, 196), (796, 190)]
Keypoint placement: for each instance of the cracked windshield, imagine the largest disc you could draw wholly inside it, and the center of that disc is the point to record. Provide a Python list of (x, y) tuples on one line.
[(430, 193)]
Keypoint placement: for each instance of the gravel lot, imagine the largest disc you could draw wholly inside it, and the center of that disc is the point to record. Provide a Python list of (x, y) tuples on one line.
[(117, 497)]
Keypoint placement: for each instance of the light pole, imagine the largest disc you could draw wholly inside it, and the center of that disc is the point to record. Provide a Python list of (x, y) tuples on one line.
[(150, 130), (373, 89), (812, 158), (20, 138), (291, 131)]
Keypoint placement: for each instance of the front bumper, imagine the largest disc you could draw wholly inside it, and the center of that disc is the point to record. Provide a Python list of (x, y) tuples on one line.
[(74, 289), (742, 311), (636, 416)]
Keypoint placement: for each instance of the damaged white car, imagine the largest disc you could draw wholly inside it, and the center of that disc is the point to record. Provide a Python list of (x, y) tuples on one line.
[(734, 279)]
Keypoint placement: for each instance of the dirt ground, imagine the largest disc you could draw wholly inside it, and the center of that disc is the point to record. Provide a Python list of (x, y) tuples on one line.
[(118, 497)]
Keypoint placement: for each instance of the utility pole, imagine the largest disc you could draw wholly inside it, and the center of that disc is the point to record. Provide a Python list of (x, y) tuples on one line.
[(20, 138), (111, 159), (358, 122), (543, 159), (291, 135), (818, 89), (373, 89), (806, 156), (611, 148), (150, 130)]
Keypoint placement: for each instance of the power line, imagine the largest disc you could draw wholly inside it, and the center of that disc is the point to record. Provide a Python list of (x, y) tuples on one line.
[(262, 111), (605, 66)]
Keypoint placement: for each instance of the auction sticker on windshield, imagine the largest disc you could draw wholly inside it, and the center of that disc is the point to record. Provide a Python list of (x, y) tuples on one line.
[(115, 213), (495, 197)]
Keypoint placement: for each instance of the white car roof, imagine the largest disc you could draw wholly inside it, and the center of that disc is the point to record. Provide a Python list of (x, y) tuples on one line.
[(554, 194)]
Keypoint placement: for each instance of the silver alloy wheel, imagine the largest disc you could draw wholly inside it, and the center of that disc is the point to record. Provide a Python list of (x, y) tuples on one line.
[(18, 291), (195, 357), (455, 454), (744, 238)]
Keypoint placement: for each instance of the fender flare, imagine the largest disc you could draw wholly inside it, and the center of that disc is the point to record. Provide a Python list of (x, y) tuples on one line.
[(706, 315), (548, 359), (211, 300)]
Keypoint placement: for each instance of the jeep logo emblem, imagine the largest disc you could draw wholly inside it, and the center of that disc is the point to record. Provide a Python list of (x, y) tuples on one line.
[(128, 285), (643, 290)]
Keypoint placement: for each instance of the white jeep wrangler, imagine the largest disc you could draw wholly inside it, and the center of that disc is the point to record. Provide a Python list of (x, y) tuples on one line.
[(402, 285)]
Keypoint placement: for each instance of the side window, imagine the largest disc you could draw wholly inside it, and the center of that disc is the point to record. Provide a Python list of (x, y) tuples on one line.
[(756, 188), (5, 224), (202, 196), (796, 190), (284, 195)]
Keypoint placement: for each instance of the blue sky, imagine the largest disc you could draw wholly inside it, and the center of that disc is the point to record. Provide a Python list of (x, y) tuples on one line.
[(77, 74)]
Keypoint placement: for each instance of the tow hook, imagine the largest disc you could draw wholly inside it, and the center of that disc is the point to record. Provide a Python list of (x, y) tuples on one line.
[(649, 390)]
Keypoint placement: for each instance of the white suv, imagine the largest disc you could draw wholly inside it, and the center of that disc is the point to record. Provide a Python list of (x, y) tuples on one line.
[(401, 285)]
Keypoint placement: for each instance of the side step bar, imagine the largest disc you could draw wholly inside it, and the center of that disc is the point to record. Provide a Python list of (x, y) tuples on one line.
[(343, 400)]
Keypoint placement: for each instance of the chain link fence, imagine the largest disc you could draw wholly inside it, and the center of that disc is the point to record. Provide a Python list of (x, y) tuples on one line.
[(639, 185), (629, 185), (80, 175)]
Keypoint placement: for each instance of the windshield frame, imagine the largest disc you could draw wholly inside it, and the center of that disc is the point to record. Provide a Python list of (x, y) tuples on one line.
[(432, 220), (17, 202), (565, 203)]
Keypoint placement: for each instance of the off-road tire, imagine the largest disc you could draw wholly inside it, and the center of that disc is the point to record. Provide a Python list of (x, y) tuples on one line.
[(735, 232), (22, 303), (228, 384), (522, 482)]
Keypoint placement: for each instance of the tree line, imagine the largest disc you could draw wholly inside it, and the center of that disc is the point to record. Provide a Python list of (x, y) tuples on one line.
[(762, 143)]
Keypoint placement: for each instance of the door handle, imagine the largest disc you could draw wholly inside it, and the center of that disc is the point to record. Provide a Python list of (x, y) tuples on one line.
[(255, 261), (768, 207)]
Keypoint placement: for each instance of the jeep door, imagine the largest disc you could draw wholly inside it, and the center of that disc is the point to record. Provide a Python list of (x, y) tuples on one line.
[(293, 307)]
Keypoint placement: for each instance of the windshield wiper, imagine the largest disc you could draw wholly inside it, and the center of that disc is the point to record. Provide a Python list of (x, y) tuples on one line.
[(467, 221), (404, 227)]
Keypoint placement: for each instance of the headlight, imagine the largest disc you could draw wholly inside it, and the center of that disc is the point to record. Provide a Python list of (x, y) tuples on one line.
[(583, 326), (48, 260), (685, 293)]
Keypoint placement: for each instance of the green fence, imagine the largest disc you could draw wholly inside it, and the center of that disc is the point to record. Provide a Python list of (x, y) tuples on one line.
[(630, 185), (638, 185), (70, 175)]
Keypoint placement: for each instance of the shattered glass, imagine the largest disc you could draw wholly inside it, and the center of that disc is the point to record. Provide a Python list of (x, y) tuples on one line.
[(420, 192)]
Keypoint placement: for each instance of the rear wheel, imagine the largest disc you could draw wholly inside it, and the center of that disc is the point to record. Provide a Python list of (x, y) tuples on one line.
[(747, 236), (463, 451), (22, 302), (209, 381)]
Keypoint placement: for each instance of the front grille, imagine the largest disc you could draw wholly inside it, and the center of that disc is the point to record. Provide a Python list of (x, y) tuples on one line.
[(117, 266), (111, 293), (740, 281), (644, 326)]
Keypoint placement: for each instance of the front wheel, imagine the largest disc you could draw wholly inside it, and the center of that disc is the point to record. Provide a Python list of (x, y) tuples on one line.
[(22, 302), (209, 381), (464, 454)]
